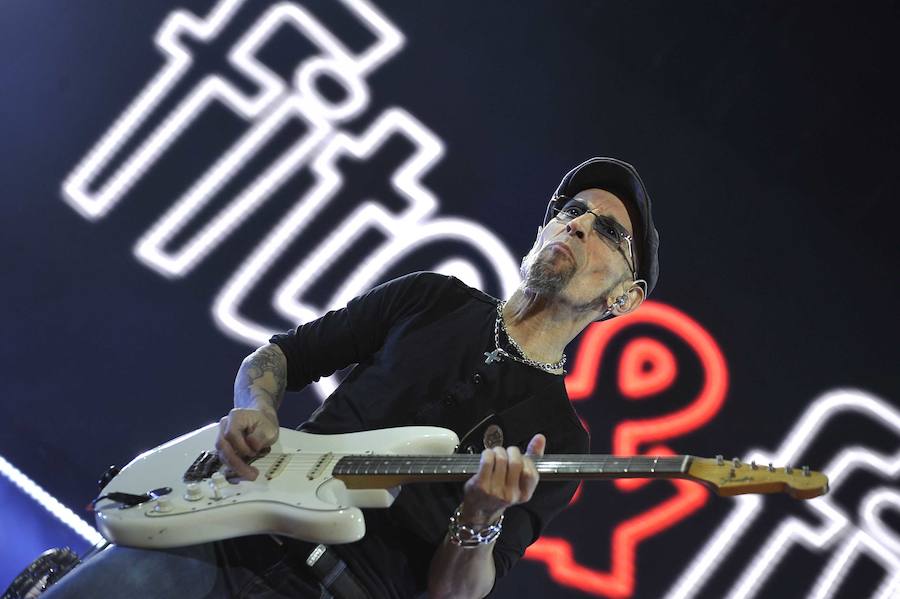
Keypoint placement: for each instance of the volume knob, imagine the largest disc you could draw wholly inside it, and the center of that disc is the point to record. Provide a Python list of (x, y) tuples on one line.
[(217, 484), (193, 492)]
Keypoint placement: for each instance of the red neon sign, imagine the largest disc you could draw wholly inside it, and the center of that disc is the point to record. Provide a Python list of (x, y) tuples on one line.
[(646, 368)]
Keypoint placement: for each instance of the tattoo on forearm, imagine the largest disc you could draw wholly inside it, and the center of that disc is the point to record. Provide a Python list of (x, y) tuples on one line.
[(266, 375)]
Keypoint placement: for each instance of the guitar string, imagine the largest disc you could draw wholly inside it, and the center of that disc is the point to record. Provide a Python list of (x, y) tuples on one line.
[(474, 467), (464, 457), (458, 468), (472, 457), (460, 461), (293, 458)]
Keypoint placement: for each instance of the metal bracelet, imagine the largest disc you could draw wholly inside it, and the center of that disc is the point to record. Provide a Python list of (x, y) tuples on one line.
[(463, 535)]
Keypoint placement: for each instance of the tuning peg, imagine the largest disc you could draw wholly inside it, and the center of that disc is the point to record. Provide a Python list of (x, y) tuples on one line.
[(731, 472), (771, 467), (720, 459), (753, 465), (736, 463), (788, 469), (806, 471)]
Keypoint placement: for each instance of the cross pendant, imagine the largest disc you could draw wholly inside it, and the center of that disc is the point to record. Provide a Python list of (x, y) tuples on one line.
[(494, 356)]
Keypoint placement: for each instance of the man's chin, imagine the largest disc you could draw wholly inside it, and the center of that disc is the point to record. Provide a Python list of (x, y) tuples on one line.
[(545, 281)]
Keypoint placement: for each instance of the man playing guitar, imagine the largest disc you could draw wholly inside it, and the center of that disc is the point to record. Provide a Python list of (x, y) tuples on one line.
[(428, 350)]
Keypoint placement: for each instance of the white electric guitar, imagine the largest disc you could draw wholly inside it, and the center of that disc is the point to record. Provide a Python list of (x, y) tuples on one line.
[(312, 487)]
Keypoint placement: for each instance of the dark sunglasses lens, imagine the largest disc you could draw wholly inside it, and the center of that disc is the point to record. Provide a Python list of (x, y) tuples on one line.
[(564, 214), (607, 229), (571, 210)]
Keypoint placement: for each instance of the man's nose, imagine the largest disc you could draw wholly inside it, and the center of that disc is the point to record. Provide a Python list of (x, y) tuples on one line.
[(579, 226)]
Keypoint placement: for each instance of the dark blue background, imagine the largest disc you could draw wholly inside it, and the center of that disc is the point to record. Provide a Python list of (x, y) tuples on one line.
[(766, 133)]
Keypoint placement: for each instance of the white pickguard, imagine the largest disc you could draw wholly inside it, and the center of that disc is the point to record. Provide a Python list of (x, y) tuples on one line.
[(302, 499)]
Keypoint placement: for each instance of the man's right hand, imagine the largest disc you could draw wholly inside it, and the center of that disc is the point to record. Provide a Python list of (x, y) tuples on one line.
[(243, 434)]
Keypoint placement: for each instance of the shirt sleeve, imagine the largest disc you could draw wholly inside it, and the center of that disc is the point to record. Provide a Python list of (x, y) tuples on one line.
[(348, 335)]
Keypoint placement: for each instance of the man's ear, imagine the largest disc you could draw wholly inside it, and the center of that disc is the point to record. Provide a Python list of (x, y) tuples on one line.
[(634, 297)]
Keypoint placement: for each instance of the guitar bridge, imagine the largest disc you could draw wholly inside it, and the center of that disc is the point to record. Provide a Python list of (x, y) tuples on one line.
[(206, 464)]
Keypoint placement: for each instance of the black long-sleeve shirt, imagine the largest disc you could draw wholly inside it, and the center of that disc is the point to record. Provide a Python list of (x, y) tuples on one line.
[(418, 343)]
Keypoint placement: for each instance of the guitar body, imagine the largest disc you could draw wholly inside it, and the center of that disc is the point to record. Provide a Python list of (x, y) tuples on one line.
[(295, 494)]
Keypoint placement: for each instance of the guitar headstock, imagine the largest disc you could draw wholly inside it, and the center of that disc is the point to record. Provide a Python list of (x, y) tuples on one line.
[(733, 477)]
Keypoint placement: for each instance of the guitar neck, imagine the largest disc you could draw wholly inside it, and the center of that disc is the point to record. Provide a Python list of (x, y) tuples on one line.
[(387, 471), (725, 477)]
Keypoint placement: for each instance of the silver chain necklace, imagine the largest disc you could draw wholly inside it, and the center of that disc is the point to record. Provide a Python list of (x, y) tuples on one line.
[(499, 353)]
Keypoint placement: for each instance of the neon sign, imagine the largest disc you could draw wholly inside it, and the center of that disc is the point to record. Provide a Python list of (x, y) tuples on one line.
[(276, 105), (645, 368), (841, 537), (49, 503)]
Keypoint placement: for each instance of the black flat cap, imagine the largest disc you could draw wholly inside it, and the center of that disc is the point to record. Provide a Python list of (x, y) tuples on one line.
[(621, 179)]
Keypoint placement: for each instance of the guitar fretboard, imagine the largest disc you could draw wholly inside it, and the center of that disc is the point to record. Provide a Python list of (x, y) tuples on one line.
[(560, 467)]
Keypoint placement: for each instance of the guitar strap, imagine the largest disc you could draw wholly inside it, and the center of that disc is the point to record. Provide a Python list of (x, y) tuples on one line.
[(332, 571)]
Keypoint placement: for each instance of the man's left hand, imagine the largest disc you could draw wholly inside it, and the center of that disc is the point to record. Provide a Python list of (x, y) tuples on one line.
[(505, 477)]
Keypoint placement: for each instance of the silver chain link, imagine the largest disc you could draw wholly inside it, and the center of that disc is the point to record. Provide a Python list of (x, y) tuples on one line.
[(465, 535), (545, 366)]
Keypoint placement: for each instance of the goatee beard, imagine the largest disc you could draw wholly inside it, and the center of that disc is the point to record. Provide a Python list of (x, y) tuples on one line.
[(544, 278)]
